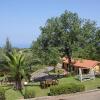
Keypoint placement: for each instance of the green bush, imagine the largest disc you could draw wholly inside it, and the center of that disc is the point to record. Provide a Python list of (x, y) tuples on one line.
[(59, 71), (29, 93), (2, 93), (66, 89)]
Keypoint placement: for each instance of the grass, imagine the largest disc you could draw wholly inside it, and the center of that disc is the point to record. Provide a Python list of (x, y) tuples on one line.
[(40, 92), (13, 95), (90, 84), (10, 93)]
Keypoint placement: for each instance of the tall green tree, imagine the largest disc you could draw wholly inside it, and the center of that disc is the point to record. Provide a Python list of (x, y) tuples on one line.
[(8, 46), (97, 45), (81, 35)]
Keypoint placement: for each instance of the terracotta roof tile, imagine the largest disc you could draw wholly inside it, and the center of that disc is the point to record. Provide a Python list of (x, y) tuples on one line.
[(85, 63), (82, 63)]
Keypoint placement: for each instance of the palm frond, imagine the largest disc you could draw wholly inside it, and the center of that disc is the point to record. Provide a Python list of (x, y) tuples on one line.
[(15, 61)]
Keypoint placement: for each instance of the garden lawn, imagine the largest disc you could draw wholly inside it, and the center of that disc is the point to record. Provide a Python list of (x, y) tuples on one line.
[(89, 84), (13, 95)]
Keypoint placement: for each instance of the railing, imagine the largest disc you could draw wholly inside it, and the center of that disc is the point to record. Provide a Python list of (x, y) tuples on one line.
[(85, 77)]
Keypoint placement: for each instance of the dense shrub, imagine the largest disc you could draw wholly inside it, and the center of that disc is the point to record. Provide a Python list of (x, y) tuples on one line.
[(59, 71), (71, 74), (29, 93), (66, 89), (2, 93)]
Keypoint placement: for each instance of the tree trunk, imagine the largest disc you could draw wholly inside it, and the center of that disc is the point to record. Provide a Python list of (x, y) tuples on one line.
[(18, 83), (54, 69), (69, 64)]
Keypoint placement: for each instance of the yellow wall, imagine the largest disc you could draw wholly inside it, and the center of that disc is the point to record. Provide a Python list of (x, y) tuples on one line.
[(97, 68)]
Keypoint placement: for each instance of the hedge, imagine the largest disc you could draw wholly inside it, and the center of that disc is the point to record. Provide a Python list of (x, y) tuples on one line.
[(66, 89), (2, 93), (29, 93)]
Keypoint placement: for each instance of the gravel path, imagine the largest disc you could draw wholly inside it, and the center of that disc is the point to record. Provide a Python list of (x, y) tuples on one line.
[(92, 95)]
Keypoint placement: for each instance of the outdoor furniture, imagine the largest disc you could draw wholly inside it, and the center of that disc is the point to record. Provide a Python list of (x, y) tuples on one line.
[(48, 82)]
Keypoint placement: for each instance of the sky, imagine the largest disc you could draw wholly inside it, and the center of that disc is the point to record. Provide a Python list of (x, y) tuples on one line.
[(20, 20)]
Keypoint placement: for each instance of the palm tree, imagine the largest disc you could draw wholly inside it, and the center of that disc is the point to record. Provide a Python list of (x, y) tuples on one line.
[(15, 61)]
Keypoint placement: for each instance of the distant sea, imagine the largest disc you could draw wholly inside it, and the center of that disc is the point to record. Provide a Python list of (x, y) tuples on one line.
[(19, 45), (22, 45)]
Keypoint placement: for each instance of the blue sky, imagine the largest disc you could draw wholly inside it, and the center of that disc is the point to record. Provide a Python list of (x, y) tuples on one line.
[(20, 19)]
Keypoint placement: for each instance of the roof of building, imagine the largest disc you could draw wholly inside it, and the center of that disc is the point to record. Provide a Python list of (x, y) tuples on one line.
[(82, 63), (86, 63)]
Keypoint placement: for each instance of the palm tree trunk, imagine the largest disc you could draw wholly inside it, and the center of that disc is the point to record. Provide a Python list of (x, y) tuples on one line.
[(18, 83)]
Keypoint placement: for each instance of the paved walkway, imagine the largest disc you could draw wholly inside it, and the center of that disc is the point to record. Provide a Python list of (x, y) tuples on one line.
[(93, 95)]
